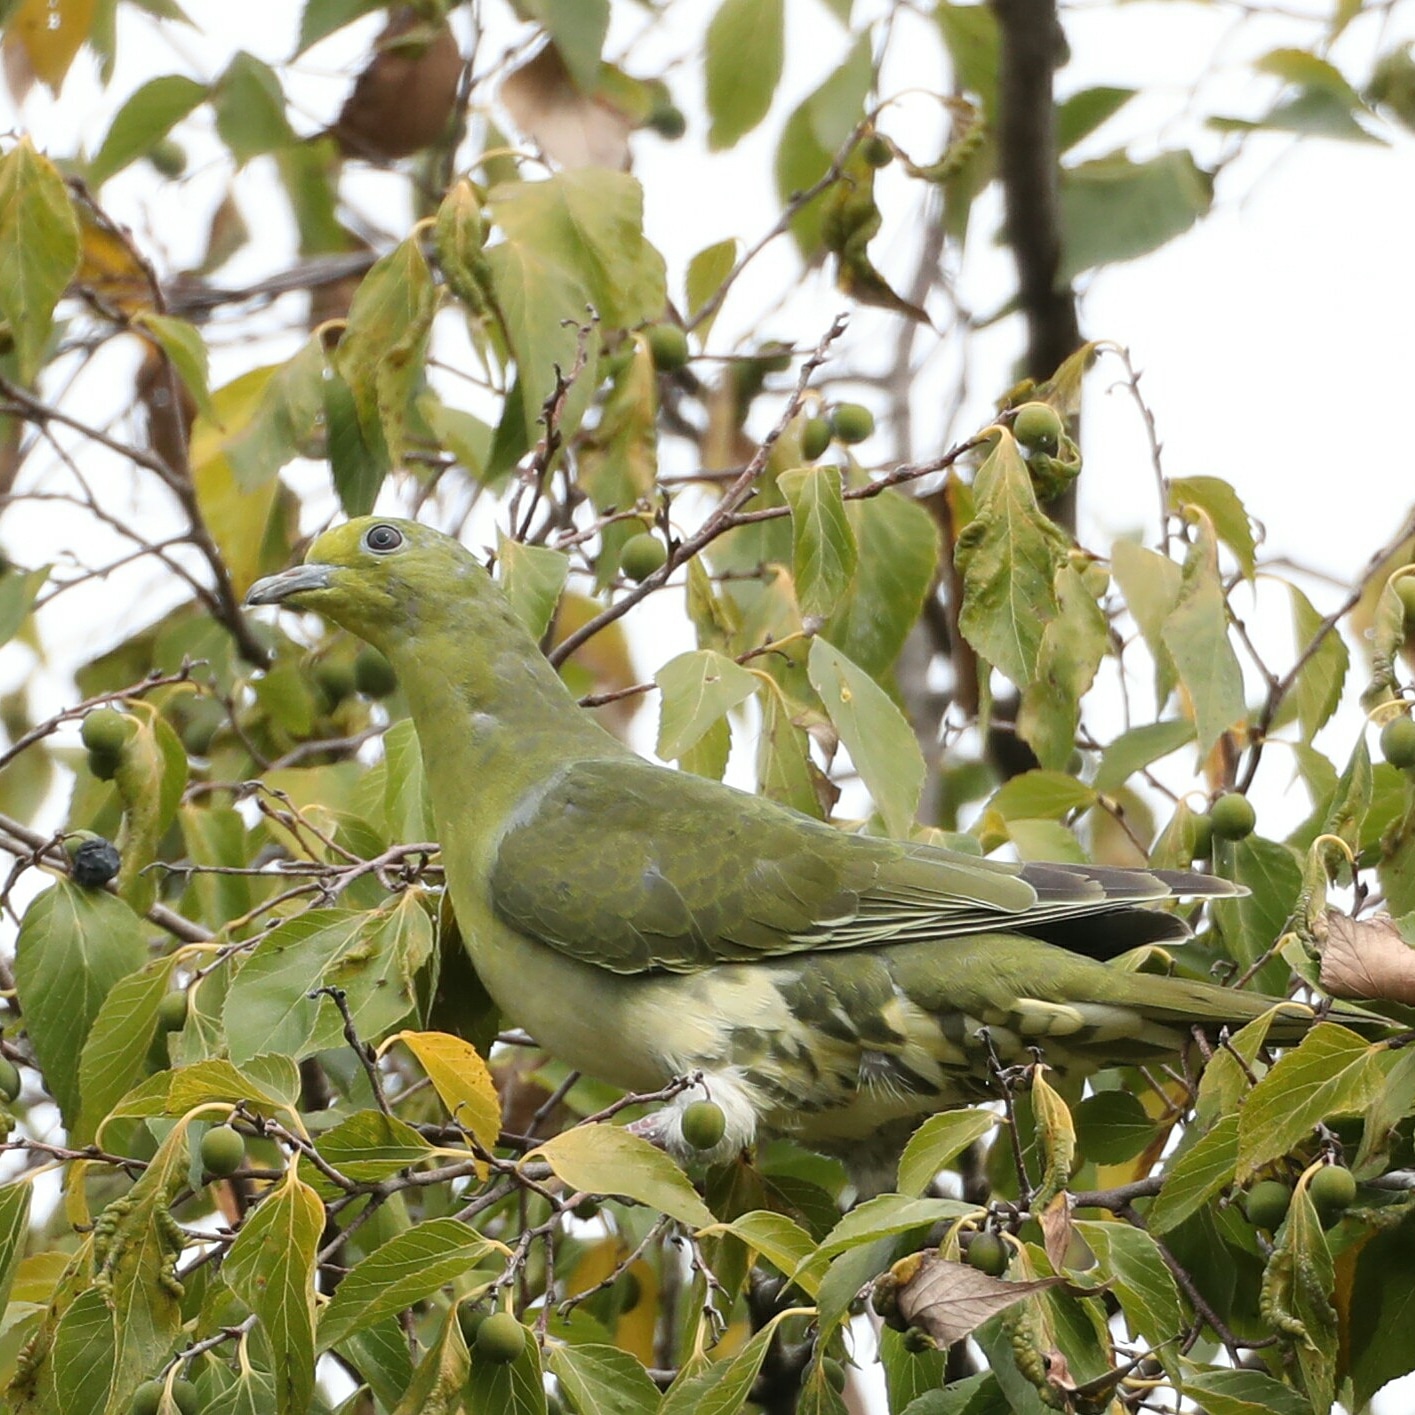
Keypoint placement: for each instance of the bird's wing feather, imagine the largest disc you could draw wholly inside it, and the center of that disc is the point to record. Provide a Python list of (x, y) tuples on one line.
[(686, 873)]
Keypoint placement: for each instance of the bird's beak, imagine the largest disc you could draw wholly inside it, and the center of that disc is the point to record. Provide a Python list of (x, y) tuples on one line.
[(297, 580)]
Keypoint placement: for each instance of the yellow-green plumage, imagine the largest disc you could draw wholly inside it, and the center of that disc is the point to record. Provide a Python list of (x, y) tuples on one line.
[(642, 923)]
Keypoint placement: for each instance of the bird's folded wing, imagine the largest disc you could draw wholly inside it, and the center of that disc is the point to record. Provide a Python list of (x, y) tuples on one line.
[(635, 868)]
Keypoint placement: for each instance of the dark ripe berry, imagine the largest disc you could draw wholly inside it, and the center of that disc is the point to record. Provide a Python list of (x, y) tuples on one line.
[(373, 674), (500, 1339), (1038, 425), (1232, 816), (990, 1253), (815, 438), (668, 347), (172, 1011), (1267, 1204), (1332, 1191), (1398, 742), (667, 121), (107, 731), (642, 555), (96, 861), (704, 1125), (9, 1079), (852, 423), (222, 1150)]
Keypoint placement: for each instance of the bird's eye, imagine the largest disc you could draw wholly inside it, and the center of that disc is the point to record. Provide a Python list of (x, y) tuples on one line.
[(383, 538)]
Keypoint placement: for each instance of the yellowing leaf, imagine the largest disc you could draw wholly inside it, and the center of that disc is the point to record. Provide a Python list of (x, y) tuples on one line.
[(461, 1080)]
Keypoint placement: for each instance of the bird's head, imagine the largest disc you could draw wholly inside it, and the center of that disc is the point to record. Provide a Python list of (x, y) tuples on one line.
[(377, 577)]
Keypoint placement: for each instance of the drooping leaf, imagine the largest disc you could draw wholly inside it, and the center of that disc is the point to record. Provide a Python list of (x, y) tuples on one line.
[(745, 52)]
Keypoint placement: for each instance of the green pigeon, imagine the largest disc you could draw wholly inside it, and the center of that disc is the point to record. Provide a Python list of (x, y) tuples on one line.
[(643, 923)]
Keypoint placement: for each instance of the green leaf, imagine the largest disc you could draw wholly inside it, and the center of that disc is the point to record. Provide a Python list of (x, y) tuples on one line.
[(271, 1268), (1072, 646), (382, 350), (1078, 116), (1332, 1072), (1322, 677), (82, 1357), (706, 272), (1252, 924), (1196, 1174), (1131, 1267), (533, 577), (589, 224), (14, 1231), (1041, 795), (269, 1008), (358, 462), (1229, 1392), (1114, 1126), (1218, 500), (39, 250), (1299, 1281), (723, 1387), (115, 1053), (1008, 554), (1196, 634), (823, 550), (436, 1386), (322, 17), (369, 1146), (266, 417), (18, 589), (1150, 583), (881, 743), (250, 109), (143, 121), (940, 1139), (407, 1268), (605, 1159), (1384, 1284), (74, 945), (578, 28), (698, 689), (778, 1239), (1114, 209), (1138, 748), (785, 771), (186, 351), (603, 1379), (898, 545), (885, 1215), (744, 52)]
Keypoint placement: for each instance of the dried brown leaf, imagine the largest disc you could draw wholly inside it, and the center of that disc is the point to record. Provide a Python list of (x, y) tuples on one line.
[(572, 128), (951, 1300), (1366, 958)]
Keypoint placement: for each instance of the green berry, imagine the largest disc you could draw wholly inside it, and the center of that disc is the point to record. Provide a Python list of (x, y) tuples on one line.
[(852, 423), (471, 1313), (876, 151), (222, 1150), (1039, 426), (1203, 837), (1405, 588), (187, 1396), (1398, 742), (1267, 1204), (500, 1339), (642, 555), (667, 121), (205, 717), (815, 438), (704, 1125), (172, 1011), (168, 156), (147, 1398), (373, 674), (586, 1209), (96, 861), (107, 731), (668, 347), (1232, 816), (9, 1079), (774, 356), (990, 1253), (334, 677), (1332, 1191)]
